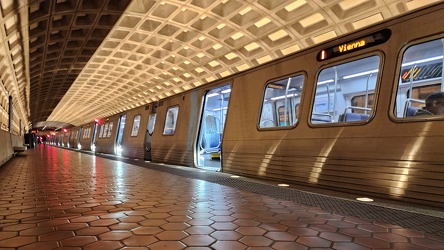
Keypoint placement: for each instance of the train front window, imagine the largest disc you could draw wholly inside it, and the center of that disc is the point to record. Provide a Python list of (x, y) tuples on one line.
[(420, 75), (281, 102), (337, 88)]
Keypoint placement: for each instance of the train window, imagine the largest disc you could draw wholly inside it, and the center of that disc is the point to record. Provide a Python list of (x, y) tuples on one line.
[(171, 120), (110, 129), (421, 75), (281, 102), (105, 130), (136, 124), (337, 86)]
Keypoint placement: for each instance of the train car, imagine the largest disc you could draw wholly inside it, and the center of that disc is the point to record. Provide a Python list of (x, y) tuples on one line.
[(339, 116), (336, 116)]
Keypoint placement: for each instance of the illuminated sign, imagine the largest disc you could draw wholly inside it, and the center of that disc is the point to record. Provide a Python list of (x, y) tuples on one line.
[(355, 45), (351, 46)]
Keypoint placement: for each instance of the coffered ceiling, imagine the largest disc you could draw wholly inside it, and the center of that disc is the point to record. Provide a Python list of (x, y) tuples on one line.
[(66, 62)]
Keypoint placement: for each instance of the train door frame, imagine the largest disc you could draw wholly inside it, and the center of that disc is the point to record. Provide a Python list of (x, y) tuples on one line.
[(94, 137), (119, 135), (152, 113), (207, 154)]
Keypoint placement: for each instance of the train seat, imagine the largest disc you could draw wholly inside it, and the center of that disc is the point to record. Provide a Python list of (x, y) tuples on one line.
[(410, 111), (214, 142), (353, 117)]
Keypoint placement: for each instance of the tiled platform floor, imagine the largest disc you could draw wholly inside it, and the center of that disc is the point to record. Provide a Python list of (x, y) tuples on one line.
[(53, 198)]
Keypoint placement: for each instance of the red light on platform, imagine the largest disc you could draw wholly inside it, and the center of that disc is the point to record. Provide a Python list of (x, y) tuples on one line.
[(97, 120), (65, 130)]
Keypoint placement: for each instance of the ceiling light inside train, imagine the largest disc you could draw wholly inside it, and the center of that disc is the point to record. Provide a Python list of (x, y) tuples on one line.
[(212, 94), (326, 81), (218, 109), (422, 61), (226, 91), (282, 97)]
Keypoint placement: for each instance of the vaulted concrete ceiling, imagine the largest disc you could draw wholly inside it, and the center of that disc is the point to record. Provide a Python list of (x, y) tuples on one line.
[(66, 62)]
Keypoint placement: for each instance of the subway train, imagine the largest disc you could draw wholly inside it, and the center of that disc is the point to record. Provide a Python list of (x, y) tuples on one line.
[(337, 116)]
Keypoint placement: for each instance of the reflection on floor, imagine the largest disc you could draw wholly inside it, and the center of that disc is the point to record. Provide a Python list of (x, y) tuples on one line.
[(52, 198)]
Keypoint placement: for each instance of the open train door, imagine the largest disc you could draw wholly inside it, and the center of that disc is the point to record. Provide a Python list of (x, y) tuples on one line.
[(149, 130), (212, 123)]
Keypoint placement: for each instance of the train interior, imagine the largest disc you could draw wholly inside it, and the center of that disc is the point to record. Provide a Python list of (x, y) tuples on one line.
[(212, 122)]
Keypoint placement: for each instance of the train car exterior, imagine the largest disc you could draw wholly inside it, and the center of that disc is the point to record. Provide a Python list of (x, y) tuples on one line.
[(368, 149), (384, 154), (335, 116)]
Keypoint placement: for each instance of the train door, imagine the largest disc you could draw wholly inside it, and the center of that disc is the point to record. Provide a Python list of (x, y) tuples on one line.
[(94, 134), (120, 128), (149, 132), (79, 138), (212, 123)]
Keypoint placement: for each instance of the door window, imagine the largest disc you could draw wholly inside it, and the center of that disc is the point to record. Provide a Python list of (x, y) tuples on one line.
[(171, 120)]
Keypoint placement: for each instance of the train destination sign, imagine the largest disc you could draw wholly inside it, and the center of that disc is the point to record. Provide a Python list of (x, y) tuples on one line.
[(354, 45)]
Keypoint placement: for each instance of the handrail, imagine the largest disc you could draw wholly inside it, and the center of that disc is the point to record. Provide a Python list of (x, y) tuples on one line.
[(355, 108), (408, 104), (322, 114)]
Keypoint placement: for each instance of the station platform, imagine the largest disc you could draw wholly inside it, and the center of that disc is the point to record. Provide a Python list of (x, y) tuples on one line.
[(55, 198)]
